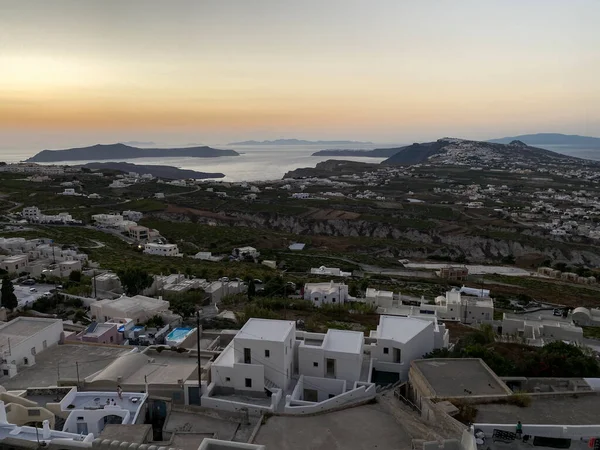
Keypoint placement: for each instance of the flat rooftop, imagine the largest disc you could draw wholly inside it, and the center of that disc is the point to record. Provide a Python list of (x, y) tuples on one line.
[(131, 401), (136, 434), (100, 329), (560, 410), (450, 377), (22, 328), (62, 359), (344, 341), (266, 329), (401, 329)]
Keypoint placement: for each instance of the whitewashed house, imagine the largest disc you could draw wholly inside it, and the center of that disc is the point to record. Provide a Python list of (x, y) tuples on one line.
[(162, 249), (260, 355), (401, 340), (326, 293), (376, 297), (339, 355), (333, 271)]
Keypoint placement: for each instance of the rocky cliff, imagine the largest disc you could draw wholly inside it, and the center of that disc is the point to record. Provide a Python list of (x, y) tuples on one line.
[(411, 243)]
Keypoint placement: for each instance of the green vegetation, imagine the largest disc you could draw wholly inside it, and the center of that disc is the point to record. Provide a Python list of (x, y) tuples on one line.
[(134, 280), (187, 303), (547, 290), (556, 359), (591, 332), (7, 294)]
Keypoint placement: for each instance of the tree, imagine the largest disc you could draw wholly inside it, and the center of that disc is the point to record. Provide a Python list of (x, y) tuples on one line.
[(251, 288), (75, 276), (8, 297), (134, 280)]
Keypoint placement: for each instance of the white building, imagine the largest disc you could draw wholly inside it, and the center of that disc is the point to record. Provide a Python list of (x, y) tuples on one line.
[(107, 220), (162, 249), (137, 308), (260, 355), (30, 212), (204, 256), (453, 306), (540, 330), (242, 252), (92, 411), (401, 340), (14, 264), (589, 317), (134, 216), (333, 271), (326, 293), (339, 355), (376, 297), (23, 338), (69, 191)]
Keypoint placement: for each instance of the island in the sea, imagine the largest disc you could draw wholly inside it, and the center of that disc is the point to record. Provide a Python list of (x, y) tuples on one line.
[(298, 142), (122, 151), (169, 172)]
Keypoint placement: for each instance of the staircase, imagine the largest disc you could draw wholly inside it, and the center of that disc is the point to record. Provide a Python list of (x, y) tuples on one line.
[(269, 385)]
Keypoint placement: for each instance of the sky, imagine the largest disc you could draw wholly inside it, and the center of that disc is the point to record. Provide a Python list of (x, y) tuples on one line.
[(78, 72)]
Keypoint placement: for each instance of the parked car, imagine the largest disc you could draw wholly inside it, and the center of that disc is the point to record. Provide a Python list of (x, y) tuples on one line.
[(32, 290), (557, 312), (28, 282)]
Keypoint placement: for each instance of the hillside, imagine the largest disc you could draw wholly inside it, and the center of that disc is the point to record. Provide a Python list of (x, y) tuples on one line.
[(542, 139), (169, 172), (375, 153), (296, 142), (450, 151), (122, 151)]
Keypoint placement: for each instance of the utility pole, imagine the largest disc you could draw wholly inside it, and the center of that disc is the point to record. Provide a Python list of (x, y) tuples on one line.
[(198, 332), (95, 289)]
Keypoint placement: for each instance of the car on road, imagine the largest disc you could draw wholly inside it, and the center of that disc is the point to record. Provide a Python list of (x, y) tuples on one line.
[(32, 290), (28, 282)]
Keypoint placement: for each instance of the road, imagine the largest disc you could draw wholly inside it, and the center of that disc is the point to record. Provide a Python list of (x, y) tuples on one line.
[(26, 298)]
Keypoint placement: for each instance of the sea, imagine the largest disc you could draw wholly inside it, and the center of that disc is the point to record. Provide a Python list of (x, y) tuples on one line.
[(255, 163), (270, 162)]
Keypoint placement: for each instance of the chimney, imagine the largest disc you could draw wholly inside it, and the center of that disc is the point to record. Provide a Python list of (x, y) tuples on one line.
[(46, 429)]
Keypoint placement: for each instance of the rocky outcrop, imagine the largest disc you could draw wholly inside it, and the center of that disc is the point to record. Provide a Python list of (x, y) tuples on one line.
[(411, 243)]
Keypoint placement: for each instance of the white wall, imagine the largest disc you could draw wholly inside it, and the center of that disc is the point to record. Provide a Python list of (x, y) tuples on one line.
[(307, 356), (361, 392), (324, 387), (555, 431), (415, 348), (94, 419), (278, 366), (51, 335)]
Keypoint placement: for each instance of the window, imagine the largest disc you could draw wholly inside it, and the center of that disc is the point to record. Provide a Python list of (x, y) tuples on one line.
[(111, 339), (25, 361), (247, 356), (44, 344), (386, 350), (267, 353), (248, 382), (5, 372), (315, 364), (227, 379), (33, 351), (333, 300)]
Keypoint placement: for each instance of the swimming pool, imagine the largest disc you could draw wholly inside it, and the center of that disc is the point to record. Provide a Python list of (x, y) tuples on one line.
[(177, 335)]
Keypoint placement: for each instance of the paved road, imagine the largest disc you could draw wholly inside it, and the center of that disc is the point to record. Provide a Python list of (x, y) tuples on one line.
[(26, 297)]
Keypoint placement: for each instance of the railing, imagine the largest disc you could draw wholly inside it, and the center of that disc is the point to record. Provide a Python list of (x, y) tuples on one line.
[(406, 401)]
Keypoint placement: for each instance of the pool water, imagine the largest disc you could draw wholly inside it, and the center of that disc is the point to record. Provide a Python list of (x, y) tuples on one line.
[(178, 333)]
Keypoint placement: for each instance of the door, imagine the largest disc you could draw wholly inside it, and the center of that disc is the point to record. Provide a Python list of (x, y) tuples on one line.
[(330, 368), (247, 356), (194, 395), (82, 428), (397, 356)]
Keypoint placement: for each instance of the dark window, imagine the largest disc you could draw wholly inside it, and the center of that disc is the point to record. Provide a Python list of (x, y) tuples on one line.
[(267, 353), (248, 382), (331, 395), (247, 356), (315, 364), (227, 379), (386, 350), (5, 372)]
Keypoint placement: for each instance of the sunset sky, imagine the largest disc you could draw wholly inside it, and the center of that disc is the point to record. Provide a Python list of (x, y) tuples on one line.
[(76, 72)]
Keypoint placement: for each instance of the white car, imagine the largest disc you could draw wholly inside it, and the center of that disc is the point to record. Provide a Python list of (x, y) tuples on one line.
[(32, 290)]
